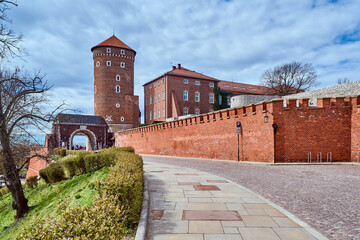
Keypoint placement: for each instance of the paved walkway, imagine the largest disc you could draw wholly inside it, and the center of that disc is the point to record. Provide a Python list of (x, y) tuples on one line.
[(188, 204)]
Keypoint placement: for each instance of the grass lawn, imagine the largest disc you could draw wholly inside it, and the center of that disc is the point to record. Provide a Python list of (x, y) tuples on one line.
[(43, 201)]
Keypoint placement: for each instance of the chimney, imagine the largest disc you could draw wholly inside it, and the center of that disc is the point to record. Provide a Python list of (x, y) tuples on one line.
[(174, 67), (179, 66)]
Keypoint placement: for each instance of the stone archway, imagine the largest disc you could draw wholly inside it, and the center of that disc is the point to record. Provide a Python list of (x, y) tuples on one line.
[(90, 135)]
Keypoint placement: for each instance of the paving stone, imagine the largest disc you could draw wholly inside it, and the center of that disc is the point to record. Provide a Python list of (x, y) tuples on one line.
[(178, 237), (258, 234), (198, 194), (217, 181), (206, 188), (285, 222), (188, 183), (259, 221), (257, 212), (235, 206), (222, 237), (200, 206), (170, 226), (157, 214), (253, 200), (274, 212), (208, 215), (228, 200), (230, 229), (186, 174), (293, 234), (205, 227), (257, 205), (195, 199)]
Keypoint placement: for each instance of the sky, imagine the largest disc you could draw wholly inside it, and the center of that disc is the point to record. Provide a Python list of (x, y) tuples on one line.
[(228, 40)]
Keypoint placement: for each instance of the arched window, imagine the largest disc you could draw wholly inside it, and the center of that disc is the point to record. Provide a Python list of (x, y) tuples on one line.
[(117, 88), (117, 77)]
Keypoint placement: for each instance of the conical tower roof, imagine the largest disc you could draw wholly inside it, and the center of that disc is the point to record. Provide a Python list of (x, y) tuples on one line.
[(113, 41)]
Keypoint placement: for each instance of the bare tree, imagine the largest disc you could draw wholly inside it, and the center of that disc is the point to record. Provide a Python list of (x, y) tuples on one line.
[(289, 78), (343, 80)]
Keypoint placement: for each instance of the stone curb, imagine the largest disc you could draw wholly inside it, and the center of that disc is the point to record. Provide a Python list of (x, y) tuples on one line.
[(304, 225), (142, 227), (257, 163)]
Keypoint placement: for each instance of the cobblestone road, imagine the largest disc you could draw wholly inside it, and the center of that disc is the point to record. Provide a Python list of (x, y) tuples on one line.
[(325, 197)]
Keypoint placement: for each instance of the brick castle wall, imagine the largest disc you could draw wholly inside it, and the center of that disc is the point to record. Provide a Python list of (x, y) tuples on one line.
[(333, 127)]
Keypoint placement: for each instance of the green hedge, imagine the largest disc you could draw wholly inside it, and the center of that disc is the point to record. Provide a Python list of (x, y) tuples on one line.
[(4, 191), (114, 212), (32, 182), (55, 173)]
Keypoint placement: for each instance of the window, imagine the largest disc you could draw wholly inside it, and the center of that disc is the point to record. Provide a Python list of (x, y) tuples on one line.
[(228, 100), (197, 111), (122, 119), (186, 81), (211, 98), (220, 100), (154, 85), (197, 83), (117, 88), (163, 80), (158, 96), (158, 83), (117, 105), (154, 114), (150, 100), (197, 97), (150, 115), (159, 114), (122, 51), (108, 63), (186, 95), (186, 111), (211, 110), (122, 65), (211, 84), (117, 77), (154, 98), (108, 50), (163, 112), (150, 86), (97, 64), (163, 95)]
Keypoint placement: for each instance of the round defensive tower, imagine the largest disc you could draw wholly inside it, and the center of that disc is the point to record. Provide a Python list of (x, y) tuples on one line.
[(114, 84)]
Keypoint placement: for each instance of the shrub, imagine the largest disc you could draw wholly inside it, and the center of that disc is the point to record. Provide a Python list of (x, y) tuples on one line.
[(59, 151), (43, 175), (62, 152), (55, 172), (94, 162), (3, 191), (127, 149), (80, 165), (32, 182), (70, 165)]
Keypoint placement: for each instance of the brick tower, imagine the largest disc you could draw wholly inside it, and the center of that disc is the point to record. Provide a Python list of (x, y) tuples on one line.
[(114, 84)]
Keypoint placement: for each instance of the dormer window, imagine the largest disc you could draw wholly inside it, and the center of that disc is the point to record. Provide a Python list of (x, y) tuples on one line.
[(122, 51), (122, 65), (108, 50)]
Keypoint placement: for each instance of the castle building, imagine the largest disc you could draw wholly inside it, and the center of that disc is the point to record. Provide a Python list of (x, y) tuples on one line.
[(114, 84), (185, 92)]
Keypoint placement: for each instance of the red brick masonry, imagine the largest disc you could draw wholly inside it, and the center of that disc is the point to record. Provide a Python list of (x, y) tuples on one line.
[(333, 126)]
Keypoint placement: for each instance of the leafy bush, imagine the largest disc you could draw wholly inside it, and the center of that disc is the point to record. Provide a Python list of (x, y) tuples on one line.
[(96, 161), (4, 191), (80, 165), (43, 175), (32, 182), (60, 151), (127, 149), (70, 165), (55, 172), (113, 213)]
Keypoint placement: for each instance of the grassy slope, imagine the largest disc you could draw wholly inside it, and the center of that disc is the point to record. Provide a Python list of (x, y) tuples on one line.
[(44, 199)]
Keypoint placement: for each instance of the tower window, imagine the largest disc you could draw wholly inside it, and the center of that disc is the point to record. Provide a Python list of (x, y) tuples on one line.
[(122, 51), (197, 83), (154, 114), (186, 95), (117, 77), (197, 97), (150, 115), (163, 112), (150, 100), (122, 65), (122, 119), (108, 63), (159, 114), (108, 50), (117, 105), (97, 64), (186, 111), (186, 81), (197, 111), (117, 88), (158, 97), (211, 98), (211, 84), (163, 93)]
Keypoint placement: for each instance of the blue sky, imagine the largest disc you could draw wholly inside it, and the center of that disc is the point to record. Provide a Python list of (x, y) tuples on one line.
[(228, 40)]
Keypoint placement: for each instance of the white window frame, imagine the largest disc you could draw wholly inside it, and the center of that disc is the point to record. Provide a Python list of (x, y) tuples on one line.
[(150, 115), (197, 111), (97, 64), (154, 114), (197, 83), (211, 98), (163, 110), (150, 100), (159, 114), (163, 80), (186, 95), (159, 97), (186, 81), (220, 99), (211, 84), (108, 50), (197, 98), (122, 65), (117, 88), (117, 105), (118, 78), (122, 119), (122, 51), (163, 95), (186, 111), (108, 63)]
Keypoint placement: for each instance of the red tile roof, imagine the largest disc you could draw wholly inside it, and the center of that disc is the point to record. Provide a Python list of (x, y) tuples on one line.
[(112, 41), (244, 88)]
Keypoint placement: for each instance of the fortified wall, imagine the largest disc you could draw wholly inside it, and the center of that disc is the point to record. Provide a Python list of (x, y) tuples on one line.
[(270, 133)]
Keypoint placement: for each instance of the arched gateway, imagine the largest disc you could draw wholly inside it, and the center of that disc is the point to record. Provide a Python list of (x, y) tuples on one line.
[(67, 126)]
